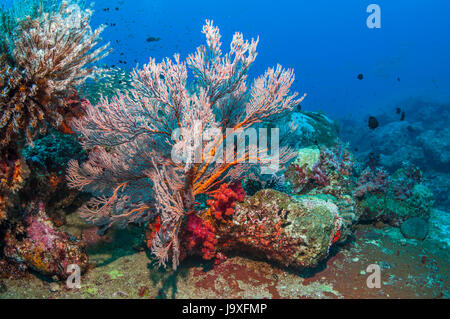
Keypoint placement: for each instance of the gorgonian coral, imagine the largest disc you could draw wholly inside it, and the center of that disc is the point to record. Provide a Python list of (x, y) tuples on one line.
[(46, 62), (134, 135)]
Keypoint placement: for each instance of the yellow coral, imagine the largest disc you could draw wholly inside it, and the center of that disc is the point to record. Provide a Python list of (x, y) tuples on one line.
[(307, 157)]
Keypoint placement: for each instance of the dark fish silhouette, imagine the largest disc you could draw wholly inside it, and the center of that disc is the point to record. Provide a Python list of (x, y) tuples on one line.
[(403, 116), (373, 123), (360, 76), (398, 110), (152, 39), (398, 79)]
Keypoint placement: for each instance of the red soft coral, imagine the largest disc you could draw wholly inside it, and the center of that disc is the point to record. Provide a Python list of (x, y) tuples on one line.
[(153, 229), (201, 233)]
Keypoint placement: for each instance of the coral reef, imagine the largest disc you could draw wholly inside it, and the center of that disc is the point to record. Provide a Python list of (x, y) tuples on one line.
[(47, 51), (150, 152), (47, 159), (129, 137), (13, 173), (327, 173), (254, 183), (45, 55), (372, 196), (40, 247), (372, 181), (53, 151), (270, 225), (13, 271), (421, 139)]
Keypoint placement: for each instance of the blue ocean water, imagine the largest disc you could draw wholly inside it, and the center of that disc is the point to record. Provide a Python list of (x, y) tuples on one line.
[(327, 43)]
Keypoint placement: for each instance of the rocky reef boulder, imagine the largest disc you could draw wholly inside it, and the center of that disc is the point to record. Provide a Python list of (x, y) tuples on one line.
[(396, 143), (290, 231), (311, 128), (422, 137), (39, 246), (436, 145)]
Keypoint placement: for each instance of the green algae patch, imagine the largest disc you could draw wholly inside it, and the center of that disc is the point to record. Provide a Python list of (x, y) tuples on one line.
[(114, 274)]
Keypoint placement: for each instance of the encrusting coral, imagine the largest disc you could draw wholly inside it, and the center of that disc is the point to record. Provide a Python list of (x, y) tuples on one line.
[(328, 169), (130, 136), (39, 246), (278, 227), (396, 198)]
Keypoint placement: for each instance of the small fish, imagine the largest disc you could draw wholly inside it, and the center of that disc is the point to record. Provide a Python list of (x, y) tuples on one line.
[(398, 110), (152, 39), (398, 79), (373, 123), (402, 118), (360, 76)]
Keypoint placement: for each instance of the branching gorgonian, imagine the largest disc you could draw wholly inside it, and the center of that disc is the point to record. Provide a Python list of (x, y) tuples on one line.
[(157, 146)]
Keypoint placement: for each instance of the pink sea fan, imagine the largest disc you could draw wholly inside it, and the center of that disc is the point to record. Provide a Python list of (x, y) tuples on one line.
[(133, 169)]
